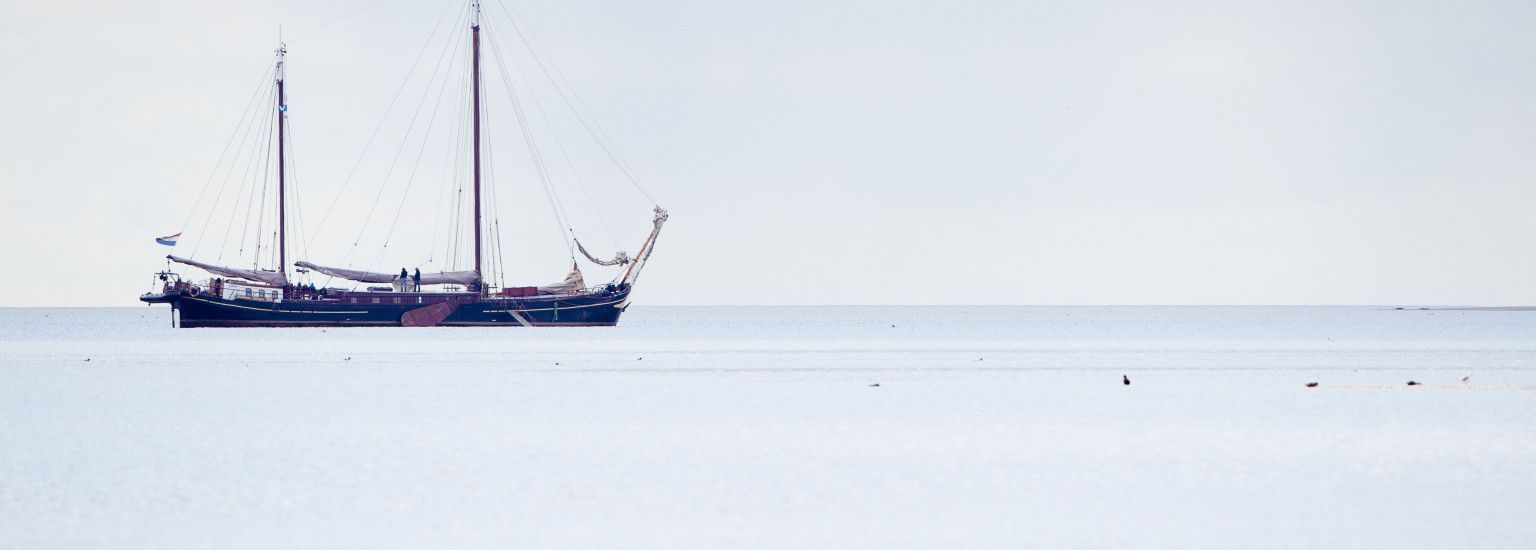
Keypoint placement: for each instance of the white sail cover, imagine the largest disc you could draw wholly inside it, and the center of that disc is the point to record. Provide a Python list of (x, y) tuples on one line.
[(443, 278), (274, 278), (572, 283)]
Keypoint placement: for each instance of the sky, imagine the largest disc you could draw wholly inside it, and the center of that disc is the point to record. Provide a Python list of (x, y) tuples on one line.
[(853, 152)]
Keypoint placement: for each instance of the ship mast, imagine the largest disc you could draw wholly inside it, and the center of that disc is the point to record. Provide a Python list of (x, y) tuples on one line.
[(282, 204), (474, 29)]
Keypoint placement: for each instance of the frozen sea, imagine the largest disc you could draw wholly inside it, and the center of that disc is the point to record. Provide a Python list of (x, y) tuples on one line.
[(990, 427)]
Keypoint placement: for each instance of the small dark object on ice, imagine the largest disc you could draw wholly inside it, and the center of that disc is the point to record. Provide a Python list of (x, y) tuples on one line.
[(1311, 384), (1398, 308), (1125, 379), (1463, 379), (87, 359), (1412, 383), (893, 326), (639, 358), (347, 358), (875, 385)]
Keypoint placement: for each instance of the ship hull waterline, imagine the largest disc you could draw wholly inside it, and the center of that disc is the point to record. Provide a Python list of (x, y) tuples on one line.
[(578, 310)]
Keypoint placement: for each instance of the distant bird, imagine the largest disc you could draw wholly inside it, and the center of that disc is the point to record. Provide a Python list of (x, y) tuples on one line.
[(1125, 379), (639, 358), (347, 359), (1311, 384), (87, 359), (1412, 383), (1464, 379), (875, 385), (557, 363), (893, 326)]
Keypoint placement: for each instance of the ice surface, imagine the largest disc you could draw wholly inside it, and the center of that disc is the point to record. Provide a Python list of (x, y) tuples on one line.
[(759, 427)]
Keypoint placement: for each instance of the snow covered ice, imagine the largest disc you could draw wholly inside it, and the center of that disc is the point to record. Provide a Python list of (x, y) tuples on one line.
[(995, 427)]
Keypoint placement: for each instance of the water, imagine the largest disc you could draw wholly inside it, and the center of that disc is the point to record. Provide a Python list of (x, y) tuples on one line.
[(760, 427)]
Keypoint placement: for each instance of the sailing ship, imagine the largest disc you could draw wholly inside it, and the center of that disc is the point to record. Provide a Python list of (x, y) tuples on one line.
[(285, 296)]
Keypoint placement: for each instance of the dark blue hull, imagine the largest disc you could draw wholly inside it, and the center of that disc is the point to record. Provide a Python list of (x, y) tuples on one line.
[(385, 310)]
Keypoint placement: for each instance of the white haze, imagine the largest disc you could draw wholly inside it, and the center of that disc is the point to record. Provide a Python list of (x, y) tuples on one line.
[(843, 152)]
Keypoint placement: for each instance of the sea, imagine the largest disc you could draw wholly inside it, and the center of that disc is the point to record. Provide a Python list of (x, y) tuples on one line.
[(778, 427)]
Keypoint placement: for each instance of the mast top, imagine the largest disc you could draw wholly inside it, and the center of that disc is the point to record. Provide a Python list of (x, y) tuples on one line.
[(474, 14), (282, 52)]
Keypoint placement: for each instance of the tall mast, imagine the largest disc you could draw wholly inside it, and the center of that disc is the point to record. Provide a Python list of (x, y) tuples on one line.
[(282, 204), (474, 29)]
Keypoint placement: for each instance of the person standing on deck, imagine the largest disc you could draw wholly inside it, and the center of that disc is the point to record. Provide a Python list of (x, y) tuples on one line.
[(416, 279)]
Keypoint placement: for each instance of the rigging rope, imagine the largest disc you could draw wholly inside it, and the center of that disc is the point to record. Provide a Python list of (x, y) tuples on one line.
[(220, 163), (246, 179), (250, 125), (460, 177), (598, 135), (560, 145), (266, 182), (562, 222), (388, 109), (426, 92), (449, 173), (411, 178), (494, 232), (335, 21), (293, 188)]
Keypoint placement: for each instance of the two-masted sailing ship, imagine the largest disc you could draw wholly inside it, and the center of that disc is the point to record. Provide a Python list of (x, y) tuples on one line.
[(285, 295)]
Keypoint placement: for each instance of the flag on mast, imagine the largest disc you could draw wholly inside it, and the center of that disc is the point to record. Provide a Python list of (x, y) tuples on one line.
[(168, 240)]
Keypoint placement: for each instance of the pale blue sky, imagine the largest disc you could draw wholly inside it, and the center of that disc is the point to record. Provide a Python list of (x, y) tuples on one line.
[(864, 152)]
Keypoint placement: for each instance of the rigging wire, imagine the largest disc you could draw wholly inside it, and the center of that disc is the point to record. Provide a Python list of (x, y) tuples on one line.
[(254, 182), (249, 125), (561, 220), (498, 264), (598, 135), (261, 85), (246, 179), (454, 239), (564, 153), (411, 178), (335, 21), (382, 119), (426, 92), (266, 183), (449, 166), (460, 178), (293, 188)]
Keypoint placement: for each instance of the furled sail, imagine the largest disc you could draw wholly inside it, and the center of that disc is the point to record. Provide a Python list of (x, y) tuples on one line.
[(619, 258), (572, 283), (444, 278), (274, 278)]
